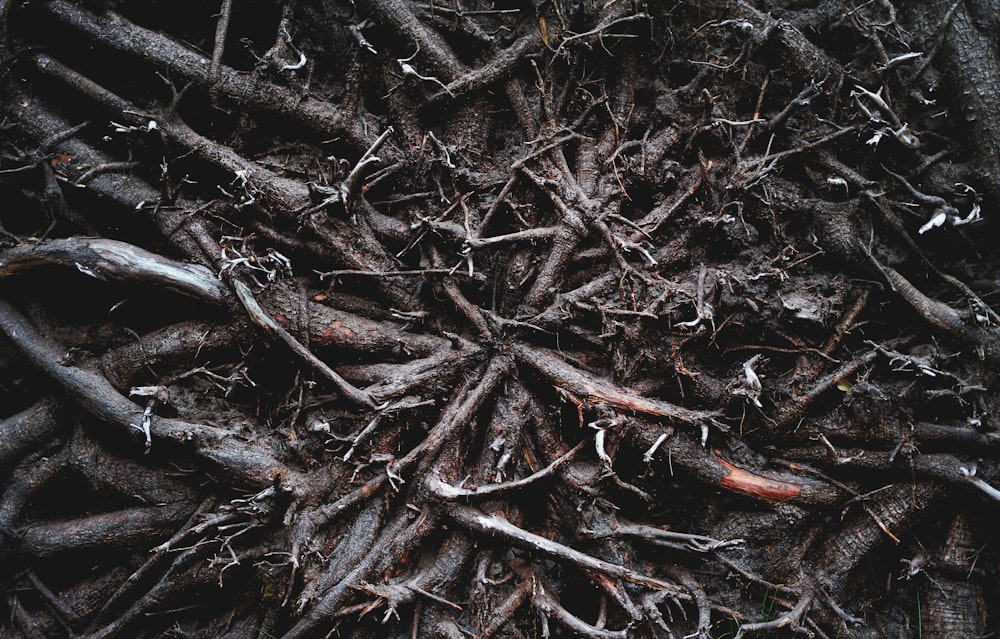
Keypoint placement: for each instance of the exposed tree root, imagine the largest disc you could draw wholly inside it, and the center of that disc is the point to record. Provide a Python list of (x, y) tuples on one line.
[(486, 319)]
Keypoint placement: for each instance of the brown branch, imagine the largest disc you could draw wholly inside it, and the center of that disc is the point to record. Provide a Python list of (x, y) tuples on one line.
[(245, 463), (686, 458), (495, 70), (599, 391), (497, 526), (125, 528), (271, 327), (120, 261), (28, 429), (397, 537), (456, 415), (221, 29), (797, 407), (447, 491), (185, 65)]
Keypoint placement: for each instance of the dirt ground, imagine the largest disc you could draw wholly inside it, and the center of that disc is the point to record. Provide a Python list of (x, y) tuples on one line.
[(595, 318)]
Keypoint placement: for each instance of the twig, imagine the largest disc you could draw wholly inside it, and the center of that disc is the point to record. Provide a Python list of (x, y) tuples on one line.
[(472, 312), (599, 29), (447, 491), (495, 525), (798, 406), (670, 538), (420, 272), (527, 235), (549, 606), (348, 188), (350, 184), (221, 28), (599, 391), (264, 320)]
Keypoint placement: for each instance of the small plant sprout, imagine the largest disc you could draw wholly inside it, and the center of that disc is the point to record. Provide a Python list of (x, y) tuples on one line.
[(918, 565), (345, 193), (320, 427), (298, 65), (743, 27), (446, 160), (271, 264), (961, 188), (643, 251), (703, 308), (395, 479), (241, 178), (362, 41), (975, 215), (245, 195), (281, 264)]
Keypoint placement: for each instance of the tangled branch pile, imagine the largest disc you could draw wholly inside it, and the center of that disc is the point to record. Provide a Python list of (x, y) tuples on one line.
[(482, 319)]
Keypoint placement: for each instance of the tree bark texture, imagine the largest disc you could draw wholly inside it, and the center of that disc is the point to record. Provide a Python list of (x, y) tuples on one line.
[(556, 318)]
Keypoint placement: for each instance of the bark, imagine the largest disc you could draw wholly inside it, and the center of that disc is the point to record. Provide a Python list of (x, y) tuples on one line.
[(603, 319)]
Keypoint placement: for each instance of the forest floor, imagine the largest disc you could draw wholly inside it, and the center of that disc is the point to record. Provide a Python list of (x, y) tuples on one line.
[(483, 319)]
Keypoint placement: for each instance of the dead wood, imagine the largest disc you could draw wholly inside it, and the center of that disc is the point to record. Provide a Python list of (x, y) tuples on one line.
[(491, 319)]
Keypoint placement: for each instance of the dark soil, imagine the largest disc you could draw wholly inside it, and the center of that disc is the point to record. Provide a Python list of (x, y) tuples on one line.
[(499, 319)]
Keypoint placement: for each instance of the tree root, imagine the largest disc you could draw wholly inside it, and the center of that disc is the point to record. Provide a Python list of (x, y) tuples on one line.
[(309, 329)]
